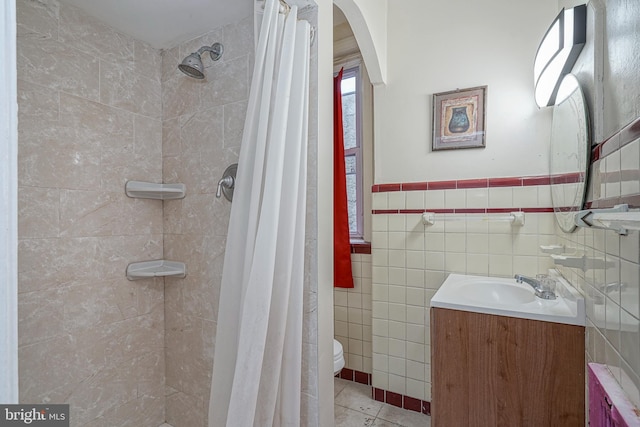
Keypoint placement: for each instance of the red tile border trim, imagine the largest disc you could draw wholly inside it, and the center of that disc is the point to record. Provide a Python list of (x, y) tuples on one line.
[(401, 401), (505, 182), (470, 210), (385, 211), (567, 178), (460, 211), (442, 185), (596, 153), (380, 395), (414, 186), (518, 181), (630, 133), (361, 248), (536, 180), (537, 210), (355, 376), (473, 183), (624, 136), (394, 399), (383, 188)]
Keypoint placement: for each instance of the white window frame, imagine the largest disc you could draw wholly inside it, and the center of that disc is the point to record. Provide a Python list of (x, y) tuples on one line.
[(354, 70)]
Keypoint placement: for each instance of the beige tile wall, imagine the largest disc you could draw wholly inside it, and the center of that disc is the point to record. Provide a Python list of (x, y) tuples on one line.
[(410, 261), (202, 131), (613, 313), (352, 316), (89, 120), (98, 108)]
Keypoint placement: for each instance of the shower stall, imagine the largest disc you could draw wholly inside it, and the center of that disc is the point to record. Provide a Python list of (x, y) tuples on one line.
[(98, 108)]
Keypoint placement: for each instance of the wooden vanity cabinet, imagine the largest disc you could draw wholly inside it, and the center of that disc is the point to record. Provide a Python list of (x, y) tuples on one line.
[(491, 371)]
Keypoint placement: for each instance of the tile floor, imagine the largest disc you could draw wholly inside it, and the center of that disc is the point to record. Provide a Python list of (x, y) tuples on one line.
[(354, 407)]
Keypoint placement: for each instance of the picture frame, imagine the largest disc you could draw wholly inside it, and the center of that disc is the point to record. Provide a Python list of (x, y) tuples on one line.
[(459, 119)]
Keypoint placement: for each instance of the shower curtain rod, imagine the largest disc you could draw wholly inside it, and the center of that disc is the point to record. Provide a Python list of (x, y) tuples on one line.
[(284, 6)]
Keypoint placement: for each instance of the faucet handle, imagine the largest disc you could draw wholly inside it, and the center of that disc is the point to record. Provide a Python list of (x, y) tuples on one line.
[(548, 283), (227, 182), (547, 288)]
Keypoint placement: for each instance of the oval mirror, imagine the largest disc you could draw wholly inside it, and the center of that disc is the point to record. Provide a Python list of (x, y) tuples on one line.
[(569, 154)]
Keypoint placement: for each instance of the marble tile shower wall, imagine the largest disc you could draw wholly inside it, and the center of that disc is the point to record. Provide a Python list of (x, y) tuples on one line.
[(202, 131), (89, 120), (410, 261), (352, 316)]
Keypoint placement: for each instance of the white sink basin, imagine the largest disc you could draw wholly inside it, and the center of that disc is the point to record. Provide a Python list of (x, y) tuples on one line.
[(506, 297), (495, 293)]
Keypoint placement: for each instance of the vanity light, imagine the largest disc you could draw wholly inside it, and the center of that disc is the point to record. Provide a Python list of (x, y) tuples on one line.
[(558, 52)]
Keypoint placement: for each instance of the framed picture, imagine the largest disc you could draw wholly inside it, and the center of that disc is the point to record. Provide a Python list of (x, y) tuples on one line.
[(459, 119)]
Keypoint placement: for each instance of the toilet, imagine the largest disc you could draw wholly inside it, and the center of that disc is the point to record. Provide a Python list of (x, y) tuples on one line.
[(338, 357)]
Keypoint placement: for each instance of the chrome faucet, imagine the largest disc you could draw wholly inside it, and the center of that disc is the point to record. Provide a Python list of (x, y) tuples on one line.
[(540, 291)]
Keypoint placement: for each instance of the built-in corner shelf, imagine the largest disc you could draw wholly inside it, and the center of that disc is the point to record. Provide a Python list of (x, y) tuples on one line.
[(156, 268), (151, 190)]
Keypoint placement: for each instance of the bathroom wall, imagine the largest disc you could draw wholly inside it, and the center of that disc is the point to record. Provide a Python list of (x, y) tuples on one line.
[(352, 307), (488, 44), (89, 120), (352, 316), (613, 317), (410, 260), (437, 46)]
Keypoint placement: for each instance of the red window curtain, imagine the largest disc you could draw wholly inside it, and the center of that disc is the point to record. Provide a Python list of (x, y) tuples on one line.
[(342, 275)]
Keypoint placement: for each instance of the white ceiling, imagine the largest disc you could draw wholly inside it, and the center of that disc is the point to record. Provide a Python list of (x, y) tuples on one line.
[(165, 23)]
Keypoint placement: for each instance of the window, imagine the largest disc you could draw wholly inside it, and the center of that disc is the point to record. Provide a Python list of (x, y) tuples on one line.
[(352, 125)]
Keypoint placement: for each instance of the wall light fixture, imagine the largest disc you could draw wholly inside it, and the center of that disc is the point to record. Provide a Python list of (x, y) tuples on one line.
[(558, 52)]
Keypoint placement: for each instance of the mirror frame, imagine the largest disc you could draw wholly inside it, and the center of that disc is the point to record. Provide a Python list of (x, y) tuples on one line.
[(562, 180)]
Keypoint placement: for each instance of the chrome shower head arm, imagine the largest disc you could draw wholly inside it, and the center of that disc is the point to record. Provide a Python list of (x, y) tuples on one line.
[(215, 50)]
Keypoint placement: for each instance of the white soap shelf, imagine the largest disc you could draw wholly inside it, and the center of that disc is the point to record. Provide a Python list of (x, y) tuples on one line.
[(619, 218), (581, 261), (552, 249), (156, 268), (151, 190)]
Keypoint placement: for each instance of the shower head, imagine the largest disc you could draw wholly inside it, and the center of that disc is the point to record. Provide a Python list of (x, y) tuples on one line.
[(192, 64)]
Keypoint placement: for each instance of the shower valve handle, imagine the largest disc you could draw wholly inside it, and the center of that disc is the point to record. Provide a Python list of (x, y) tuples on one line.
[(227, 181)]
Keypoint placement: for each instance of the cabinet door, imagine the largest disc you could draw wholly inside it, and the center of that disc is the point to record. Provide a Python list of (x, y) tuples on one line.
[(501, 371)]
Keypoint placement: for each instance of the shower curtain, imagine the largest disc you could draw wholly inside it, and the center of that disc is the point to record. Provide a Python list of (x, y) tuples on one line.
[(258, 353)]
